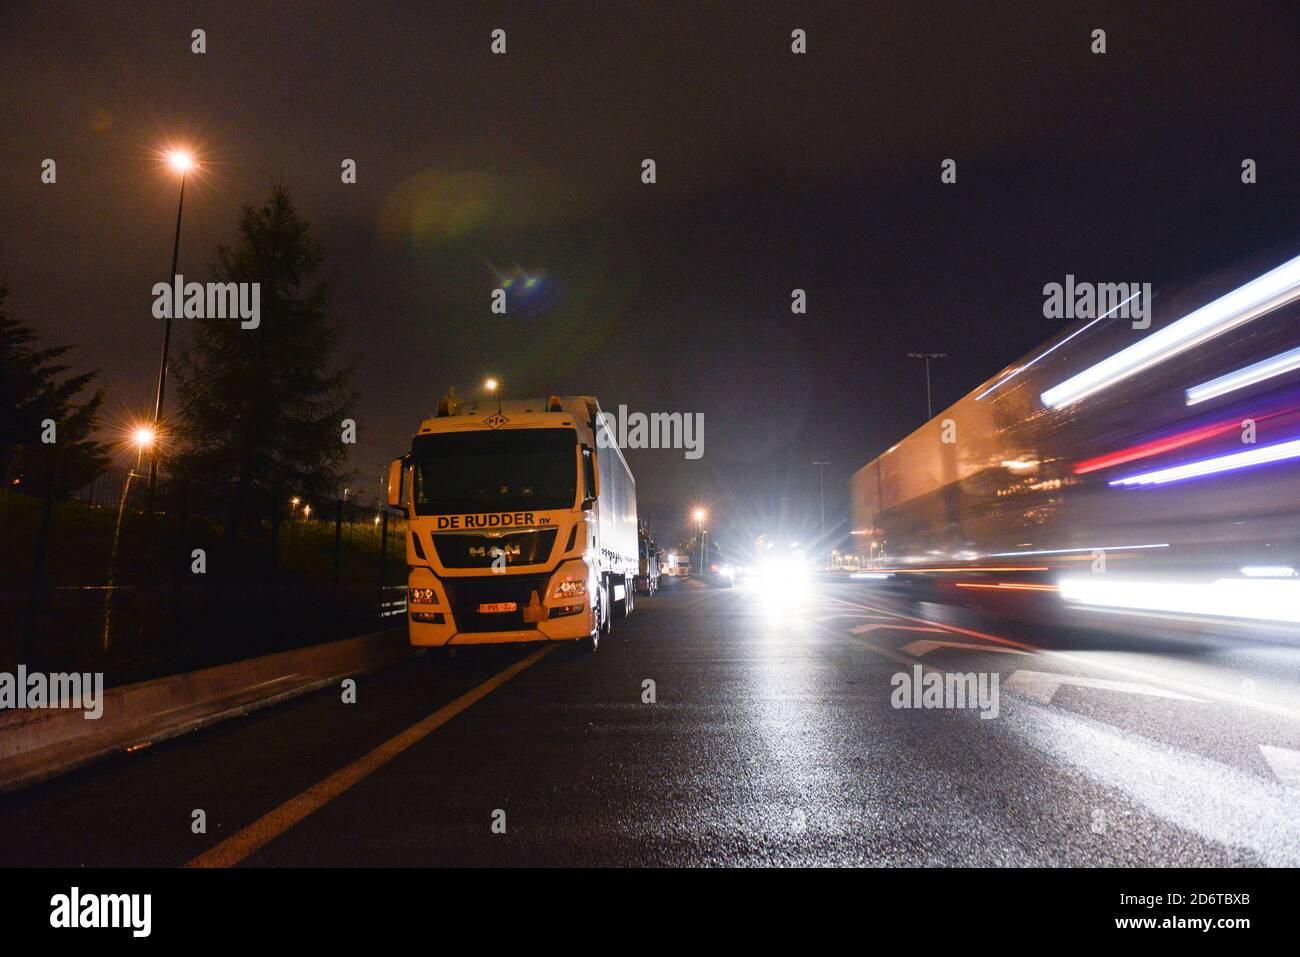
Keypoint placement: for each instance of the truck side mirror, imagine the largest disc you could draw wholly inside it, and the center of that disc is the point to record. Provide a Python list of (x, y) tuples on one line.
[(395, 470), (588, 478)]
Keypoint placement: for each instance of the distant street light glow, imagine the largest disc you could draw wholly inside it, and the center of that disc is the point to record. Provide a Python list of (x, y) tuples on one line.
[(144, 436)]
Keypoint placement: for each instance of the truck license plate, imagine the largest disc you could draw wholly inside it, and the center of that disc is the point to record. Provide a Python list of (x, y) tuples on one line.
[(497, 606)]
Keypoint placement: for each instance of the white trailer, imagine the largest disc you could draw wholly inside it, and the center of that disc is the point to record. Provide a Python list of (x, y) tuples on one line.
[(522, 524)]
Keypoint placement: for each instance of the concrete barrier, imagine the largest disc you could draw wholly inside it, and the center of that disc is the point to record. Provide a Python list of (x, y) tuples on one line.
[(38, 744)]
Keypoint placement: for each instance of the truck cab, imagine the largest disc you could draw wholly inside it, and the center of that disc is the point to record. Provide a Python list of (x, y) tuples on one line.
[(522, 524), (647, 578)]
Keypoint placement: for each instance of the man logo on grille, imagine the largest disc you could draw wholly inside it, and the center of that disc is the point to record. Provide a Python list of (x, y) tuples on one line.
[(495, 421)]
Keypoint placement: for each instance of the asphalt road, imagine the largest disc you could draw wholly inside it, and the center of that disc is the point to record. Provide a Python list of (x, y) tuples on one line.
[(772, 739)]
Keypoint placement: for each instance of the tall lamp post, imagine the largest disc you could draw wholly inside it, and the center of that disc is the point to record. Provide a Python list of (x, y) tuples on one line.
[(700, 515), (821, 488), (927, 356), (182, 162)]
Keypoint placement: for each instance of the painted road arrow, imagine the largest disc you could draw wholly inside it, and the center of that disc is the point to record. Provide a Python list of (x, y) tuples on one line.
[(918, 649), (1041, 686), (867, 629), (1284, 762)]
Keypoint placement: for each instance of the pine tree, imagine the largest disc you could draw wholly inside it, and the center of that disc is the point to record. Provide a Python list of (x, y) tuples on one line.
[(261, 409), (31, 391)]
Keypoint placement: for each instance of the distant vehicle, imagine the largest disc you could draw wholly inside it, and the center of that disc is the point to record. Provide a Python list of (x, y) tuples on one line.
[(676, 566), (522, 525), (647, 578), (722, 574)]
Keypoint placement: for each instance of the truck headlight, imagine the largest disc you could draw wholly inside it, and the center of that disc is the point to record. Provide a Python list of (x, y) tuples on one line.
[(422, 596), (570, 588)]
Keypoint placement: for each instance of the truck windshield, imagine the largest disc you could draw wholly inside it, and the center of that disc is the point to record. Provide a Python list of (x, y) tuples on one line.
[(505, 470)]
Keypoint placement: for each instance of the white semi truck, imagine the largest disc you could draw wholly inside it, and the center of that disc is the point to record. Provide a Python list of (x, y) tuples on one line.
[(522, 524)]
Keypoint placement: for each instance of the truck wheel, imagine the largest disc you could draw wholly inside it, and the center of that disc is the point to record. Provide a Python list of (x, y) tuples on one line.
[(606, 611), (628, 600)]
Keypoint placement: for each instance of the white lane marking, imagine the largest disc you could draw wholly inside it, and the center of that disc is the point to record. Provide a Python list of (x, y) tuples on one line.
[(1284, 763), (1227, 805), (919, 649), (1190, 687), (1041, 686)]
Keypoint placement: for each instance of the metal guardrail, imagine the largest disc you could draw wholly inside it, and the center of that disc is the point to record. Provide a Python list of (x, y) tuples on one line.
[(390, 609)]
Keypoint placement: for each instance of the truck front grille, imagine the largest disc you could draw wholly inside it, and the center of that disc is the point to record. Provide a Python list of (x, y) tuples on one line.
[(467, 594), (527, 547)]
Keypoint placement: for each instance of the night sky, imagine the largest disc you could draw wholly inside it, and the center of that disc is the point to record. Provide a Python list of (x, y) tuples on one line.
[(775, 171)]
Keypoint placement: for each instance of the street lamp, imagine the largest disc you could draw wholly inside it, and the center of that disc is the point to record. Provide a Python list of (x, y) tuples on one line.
[(927, 356), (491, 384), (293, 511), (181, 161), (700, 515), (143, 437), (821, 485)]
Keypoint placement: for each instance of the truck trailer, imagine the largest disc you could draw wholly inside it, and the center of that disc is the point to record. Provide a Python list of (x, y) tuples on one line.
[(522, 524)]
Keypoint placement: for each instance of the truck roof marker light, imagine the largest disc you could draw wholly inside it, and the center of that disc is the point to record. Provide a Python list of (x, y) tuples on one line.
[(1042, 355), (1242, 378), (1261, 295), (1263, 455), (1268, 571), (969, 568), (1067, 551)]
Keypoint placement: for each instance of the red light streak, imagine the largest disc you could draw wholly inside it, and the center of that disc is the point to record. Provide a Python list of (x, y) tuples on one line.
[(1014, 586), (1156, 446)]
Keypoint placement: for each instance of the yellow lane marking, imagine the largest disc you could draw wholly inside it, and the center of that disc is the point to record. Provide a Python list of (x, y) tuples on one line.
[(274, 823)]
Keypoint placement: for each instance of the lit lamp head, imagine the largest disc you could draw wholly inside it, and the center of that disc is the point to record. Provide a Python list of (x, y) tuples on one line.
[(699, 515), (180, 160), (491, 385), (144, 437)]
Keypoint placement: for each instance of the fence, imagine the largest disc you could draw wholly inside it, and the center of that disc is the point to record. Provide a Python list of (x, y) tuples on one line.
[(101, 583)]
